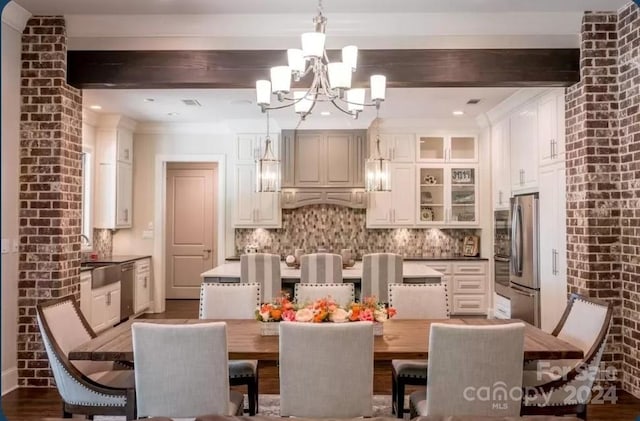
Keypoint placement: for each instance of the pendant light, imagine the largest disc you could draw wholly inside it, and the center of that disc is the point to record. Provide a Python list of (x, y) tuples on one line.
[(268, 168), (377, 168)]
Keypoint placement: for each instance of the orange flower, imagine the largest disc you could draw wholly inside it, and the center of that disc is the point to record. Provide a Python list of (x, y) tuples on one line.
[(276, 314), (320, 316), (355, 312), (391, 312)]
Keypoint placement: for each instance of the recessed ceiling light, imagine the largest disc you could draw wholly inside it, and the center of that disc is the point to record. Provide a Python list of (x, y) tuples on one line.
[(95, 107), (149, 100), (458, 112), (172, 114), (325, 113)]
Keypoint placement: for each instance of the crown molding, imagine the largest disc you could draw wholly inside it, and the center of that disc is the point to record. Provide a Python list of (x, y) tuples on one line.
[(520, 97), (115, 121), (15, 16)]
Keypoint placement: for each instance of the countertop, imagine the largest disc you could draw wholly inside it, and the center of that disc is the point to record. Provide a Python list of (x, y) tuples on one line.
[(409, 270), (123, 258), (409, 259)]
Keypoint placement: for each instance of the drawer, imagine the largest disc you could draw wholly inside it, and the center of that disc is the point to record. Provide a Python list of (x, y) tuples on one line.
[(469, 284), (142, 265), (469, 304), (468, 268), (442, 267)]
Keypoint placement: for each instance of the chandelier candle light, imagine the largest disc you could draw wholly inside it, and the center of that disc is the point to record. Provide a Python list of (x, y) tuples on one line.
[(331, 80)]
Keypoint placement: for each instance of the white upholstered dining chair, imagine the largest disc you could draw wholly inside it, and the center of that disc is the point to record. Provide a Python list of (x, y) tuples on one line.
[(321, 268), (378, 271), (181, 370), (326, 369), (563, 387), (86, 387), (343, 294), (464, 364), (414, 301), (234, 301), (264, 269)]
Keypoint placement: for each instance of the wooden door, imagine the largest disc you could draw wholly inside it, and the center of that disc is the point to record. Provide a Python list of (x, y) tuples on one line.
[(191, 226)]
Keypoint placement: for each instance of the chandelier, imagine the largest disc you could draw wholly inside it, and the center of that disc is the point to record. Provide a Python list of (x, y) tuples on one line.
[(268, 168), (331, 80)]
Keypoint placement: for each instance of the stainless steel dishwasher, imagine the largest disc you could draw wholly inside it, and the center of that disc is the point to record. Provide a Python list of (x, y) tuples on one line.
[(127, 277)]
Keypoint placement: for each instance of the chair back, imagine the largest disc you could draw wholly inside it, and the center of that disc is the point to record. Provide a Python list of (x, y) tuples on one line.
[(264, 269), (229, 300), (585, 324), (343, 294), (326, 369), (181, 371), (63, 328), (475, 370), (378, 271), (419, 301), (321, 268)]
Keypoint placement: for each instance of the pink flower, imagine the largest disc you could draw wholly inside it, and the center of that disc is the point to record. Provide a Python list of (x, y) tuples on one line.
[(289, 316), (366, 315)]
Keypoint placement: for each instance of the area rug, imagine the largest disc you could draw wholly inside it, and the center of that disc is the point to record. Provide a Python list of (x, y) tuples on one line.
[(270, 405)]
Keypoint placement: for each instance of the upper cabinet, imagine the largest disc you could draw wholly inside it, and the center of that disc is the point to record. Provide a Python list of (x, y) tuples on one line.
[(396, 147), (397, 207), (114, 173), (523, 136), (319, 159), (500, 165), (551, 129), (253, 209), (447, 148)]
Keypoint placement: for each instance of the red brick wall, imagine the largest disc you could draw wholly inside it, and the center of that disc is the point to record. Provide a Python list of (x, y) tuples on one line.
[(50, 187), (629, 118), (593, 172)]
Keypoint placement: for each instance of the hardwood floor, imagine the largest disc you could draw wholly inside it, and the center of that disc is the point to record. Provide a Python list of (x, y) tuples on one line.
[(35, 404)]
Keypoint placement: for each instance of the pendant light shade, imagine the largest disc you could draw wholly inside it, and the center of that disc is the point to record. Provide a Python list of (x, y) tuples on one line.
[(263, 92), (355, 99), (339, 75), (280, 79), (350, 56), (313, 44), (377, 175), (304, 103), (296, 60), (378, 87)]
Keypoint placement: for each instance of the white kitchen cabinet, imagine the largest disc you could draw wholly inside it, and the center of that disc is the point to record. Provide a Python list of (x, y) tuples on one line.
[(114, 197), (396, 147), (551, 129), (105, 306), (85, 294), (500, 165), (395, 208), (552, 258), (467, 285), (448, 195), (250, 146), (524, 149), (447, 148), (142, 293), (253, 209)]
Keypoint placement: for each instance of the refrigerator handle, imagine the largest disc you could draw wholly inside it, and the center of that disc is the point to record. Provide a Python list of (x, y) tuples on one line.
[(519, 291), (516, 240)]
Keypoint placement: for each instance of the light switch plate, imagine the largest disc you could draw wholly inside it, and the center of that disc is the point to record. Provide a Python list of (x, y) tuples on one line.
[(4, 246), (147, 234), (15, 245)]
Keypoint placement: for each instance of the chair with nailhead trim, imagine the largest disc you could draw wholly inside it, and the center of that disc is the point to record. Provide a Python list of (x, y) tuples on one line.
[(86, 387)]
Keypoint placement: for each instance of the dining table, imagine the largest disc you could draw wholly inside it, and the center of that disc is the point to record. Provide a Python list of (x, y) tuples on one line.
[(401, 339)]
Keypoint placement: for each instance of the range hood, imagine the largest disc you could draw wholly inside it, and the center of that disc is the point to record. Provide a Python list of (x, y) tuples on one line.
[(323, 167)]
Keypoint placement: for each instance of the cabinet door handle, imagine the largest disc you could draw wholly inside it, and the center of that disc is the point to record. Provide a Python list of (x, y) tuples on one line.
[(126, 215), (145, 282), (500, 197), (126, 154), (109, 298), (521, 177)]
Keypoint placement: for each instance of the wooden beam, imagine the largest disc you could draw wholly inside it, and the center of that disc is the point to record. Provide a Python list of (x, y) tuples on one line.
[(403, 68)]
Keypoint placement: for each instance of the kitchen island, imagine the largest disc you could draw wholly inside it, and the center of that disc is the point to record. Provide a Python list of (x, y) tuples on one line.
[(412, 272)]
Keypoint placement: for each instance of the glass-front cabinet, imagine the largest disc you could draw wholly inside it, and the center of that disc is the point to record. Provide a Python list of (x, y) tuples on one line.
[(447, 148), (448, 195)]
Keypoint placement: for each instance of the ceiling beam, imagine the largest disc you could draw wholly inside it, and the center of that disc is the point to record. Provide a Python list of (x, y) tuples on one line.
[(217, 69)]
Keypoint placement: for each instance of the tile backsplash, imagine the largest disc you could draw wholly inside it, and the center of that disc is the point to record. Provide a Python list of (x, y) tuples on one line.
[(103, 242), (339, 227)]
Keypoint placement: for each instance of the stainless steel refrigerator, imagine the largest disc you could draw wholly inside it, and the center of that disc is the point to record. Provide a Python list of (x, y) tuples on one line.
[(524, 284)]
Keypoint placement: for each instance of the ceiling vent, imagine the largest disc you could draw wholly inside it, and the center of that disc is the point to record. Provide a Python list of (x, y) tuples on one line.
[(191, 103), (473, 101)]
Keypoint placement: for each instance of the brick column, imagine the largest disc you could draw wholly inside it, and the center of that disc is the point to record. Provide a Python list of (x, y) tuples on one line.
[(50, 187), (629, 118), (593, 173)]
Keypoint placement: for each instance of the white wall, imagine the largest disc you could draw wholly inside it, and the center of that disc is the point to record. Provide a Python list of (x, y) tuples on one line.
[(11, 45)]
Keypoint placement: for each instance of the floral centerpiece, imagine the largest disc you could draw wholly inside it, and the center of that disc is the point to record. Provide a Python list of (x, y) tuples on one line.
[(321, 310)]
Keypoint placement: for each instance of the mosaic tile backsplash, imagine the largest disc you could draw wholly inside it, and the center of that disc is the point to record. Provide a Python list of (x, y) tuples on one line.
[(339, 227), (103, 242)]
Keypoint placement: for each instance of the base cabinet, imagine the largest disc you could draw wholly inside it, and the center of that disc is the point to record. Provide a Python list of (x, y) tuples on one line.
[(467, 285), (142, 293), (85, 294), (105, 306)]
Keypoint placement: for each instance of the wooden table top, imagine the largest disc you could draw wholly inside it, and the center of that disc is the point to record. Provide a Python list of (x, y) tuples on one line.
[(402, 339)]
